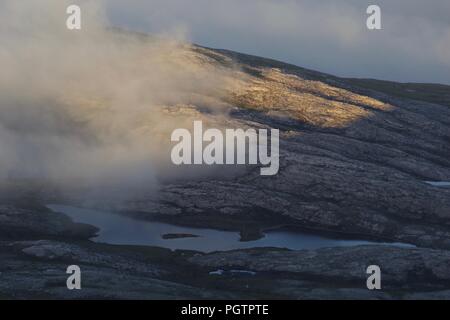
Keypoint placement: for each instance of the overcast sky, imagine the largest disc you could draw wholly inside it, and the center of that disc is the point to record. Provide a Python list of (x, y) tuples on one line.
[(326, 35)]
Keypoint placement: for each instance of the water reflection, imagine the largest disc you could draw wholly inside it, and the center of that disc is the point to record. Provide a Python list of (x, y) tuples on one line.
[(122, 230)]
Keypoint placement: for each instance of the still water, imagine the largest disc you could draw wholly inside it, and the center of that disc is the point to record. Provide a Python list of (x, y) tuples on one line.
[(122, 230)]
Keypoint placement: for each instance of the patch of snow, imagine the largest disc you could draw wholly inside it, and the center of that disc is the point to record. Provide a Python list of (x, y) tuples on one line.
[(216, 273)]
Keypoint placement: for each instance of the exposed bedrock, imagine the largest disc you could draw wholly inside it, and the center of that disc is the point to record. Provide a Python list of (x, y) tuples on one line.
[(352, 160)]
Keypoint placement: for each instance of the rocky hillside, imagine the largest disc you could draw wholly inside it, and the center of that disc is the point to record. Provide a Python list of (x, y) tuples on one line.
[(353, 160)]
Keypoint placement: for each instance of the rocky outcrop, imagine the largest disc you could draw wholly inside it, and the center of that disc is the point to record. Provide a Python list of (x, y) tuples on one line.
[(404, 270), (37, 269), (342, 264)]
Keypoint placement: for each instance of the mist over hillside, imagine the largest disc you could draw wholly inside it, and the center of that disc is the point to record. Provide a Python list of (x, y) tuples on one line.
[(86, 120), (94, 108)]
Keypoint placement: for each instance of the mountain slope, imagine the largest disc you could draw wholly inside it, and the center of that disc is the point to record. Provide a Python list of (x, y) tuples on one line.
[(353, 160)]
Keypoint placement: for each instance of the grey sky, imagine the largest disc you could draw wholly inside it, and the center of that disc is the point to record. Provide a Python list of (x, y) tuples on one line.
[(326, 35)]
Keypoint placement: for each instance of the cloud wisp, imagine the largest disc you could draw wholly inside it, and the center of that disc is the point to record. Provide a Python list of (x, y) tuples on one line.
[(88, 108)]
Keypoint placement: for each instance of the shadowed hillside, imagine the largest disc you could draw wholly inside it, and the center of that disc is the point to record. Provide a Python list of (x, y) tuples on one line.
[(434, 93)]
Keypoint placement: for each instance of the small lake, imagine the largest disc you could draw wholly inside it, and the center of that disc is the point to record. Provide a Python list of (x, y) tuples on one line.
[(439, 183), (121, 230)]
